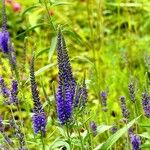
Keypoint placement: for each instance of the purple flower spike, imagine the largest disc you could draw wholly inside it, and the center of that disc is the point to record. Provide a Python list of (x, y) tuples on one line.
[(146, 104), (14, 92), (4, 41), (103, 96), (93, 127), (135, 141), (39, 117), (124, 109), (39, 121), (4, 90), (66, 83), (132, 92)]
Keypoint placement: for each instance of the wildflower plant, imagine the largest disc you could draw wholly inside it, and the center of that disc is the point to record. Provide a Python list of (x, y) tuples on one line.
[(66, 83), (39, 117)]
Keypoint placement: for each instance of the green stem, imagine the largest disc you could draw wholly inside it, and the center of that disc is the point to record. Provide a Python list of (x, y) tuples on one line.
[(82, 146), (49, 17), (42, 141), (68, 135), (136, 114)]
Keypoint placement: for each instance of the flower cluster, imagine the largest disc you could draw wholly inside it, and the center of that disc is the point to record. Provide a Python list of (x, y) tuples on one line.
[(66, 84), (135, 141), (18, 133), (10, 96), (4, 90), (4, 35), (80, 97), (14, 92), (103, 96), (2, 130), (39, 117), (93, 127), (146, 104), (125, 111), (132, 92)]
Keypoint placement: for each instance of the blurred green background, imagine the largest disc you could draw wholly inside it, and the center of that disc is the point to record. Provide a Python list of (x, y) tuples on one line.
[(107, 39)]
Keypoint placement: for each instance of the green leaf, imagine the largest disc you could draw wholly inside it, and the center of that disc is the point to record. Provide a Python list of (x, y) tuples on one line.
[(145, 135), (41, 52), (103, 128), (60, 3), (62, 131), (30, 29), (98, 147), (44, 69), (58, 144), (147, 146), (30, 8), (112, 139)]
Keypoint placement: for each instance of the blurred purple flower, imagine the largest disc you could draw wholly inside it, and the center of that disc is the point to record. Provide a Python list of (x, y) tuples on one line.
[(135, 141), (132, 92), (4, 90), (125, 111), (93, 127), (14, 92), (103, 96), (146, 104), (4, 41)]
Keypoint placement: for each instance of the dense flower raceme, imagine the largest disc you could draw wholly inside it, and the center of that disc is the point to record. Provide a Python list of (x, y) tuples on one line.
[(146, 104), (18, 133), (4, 41), (14, 92), (4, 35), (132, 92), (80, 97), (39, 117), (135, 141), (2, 131), (125, 111), (4, 90), (103, 96), (10, 96), (93, 127), (66, 84)]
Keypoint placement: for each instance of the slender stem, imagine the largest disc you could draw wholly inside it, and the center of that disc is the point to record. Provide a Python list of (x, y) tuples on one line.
[(82, 146), (68, 135), (49, 17), (127, 144), (42, 141), (135, 113)]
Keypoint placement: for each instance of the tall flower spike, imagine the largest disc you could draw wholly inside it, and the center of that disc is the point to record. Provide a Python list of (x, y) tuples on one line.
[(93, 127), (103, 96), (84, 93), (146, 104), (14, 92), (124, 109), (4, 35), (4, 90), (66, 83), (68, 66), (132, 92), (39, 117)]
